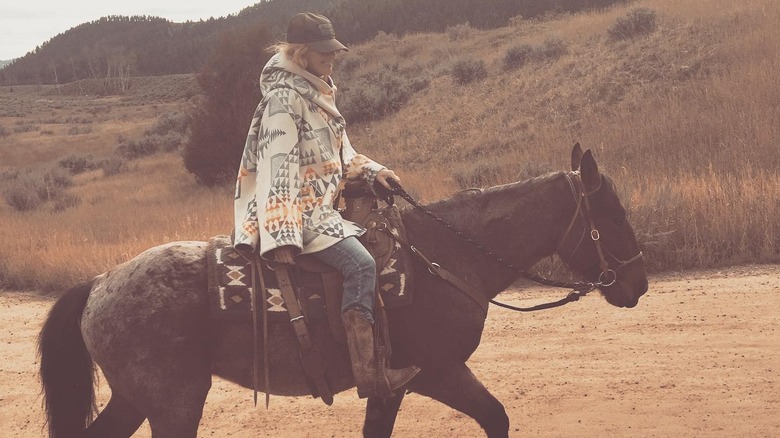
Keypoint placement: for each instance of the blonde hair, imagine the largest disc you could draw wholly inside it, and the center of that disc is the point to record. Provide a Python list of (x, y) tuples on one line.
[(295, 52)]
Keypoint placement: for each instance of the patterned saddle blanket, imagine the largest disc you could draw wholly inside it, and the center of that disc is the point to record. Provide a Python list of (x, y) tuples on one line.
[(230, 275)]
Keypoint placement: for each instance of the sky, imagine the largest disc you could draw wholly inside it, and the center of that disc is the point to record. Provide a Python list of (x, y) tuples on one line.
[(25, 24)]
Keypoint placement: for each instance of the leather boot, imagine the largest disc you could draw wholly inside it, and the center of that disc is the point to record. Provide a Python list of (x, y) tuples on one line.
[(370, 379)]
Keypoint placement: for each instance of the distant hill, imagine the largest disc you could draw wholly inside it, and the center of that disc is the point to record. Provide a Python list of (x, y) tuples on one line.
[(3, 63), (121, 46)]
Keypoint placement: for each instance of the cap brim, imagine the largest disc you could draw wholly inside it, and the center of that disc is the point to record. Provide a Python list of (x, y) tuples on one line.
[(326, 46)]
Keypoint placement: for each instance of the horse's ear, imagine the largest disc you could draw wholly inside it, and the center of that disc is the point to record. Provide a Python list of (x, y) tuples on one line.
[(589, 170), (576, 156)]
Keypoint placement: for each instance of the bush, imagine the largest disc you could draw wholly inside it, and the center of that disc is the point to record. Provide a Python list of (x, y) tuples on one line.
[(552, 48), (3, 132), (170, 122), (65, 202), (638, 21), (349, 64), (76, 164), (468, 70), (459, 32), (22, 196), (57, 178), (113, 166), (133, 149), (379, 94), (22, 127), (517, 56), (76, 130)]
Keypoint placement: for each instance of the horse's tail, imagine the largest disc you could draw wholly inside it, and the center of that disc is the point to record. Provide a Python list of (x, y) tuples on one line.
[(67, 370)]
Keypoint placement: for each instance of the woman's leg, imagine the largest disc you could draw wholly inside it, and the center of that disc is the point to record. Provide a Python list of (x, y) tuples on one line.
[(358, 268), (359, 271)]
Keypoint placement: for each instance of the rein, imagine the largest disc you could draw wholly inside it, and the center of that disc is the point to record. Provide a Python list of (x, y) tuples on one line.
[(580, 289)]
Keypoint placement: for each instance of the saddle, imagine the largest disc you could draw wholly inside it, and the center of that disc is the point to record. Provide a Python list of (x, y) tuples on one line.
[(312, 290)]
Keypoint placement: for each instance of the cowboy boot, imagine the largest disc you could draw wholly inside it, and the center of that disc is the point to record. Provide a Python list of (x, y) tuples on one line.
[(370, 379)]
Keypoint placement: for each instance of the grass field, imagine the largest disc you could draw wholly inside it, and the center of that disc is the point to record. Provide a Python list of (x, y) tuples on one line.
[(685, 118)]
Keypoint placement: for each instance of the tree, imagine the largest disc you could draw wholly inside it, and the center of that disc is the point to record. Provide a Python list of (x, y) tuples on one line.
[(220, 120)]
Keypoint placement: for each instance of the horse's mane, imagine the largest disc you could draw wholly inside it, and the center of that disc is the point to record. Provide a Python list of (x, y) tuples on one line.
[(519, 186)]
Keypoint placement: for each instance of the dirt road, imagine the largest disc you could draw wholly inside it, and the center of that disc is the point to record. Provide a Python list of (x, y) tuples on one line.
[(699, 357)]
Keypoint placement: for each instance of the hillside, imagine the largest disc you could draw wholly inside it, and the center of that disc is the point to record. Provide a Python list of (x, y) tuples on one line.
[(146, 45), (683, 115)]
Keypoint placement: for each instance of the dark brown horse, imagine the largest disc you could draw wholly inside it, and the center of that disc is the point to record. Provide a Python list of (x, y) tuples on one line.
[(146, 322)]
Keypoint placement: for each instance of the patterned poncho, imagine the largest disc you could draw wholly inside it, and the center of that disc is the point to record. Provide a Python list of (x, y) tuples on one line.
[(295, 156)]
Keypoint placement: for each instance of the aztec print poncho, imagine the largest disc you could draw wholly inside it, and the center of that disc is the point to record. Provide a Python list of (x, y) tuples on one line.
[(295, 155)]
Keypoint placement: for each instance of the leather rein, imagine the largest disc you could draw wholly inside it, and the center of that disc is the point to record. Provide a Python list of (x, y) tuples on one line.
[(607, 277)]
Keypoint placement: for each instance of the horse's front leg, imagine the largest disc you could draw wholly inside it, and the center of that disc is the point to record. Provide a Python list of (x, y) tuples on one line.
[(380, 415), (456, 386)]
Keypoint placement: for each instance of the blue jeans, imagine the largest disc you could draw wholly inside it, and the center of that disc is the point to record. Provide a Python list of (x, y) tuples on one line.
[(358, 268)]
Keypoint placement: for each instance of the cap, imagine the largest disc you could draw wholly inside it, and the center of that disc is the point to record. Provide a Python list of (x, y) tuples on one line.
[(313, 30)]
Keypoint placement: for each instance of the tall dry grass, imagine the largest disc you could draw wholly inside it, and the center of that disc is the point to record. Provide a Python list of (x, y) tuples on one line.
[(120, 216), (686, 120)]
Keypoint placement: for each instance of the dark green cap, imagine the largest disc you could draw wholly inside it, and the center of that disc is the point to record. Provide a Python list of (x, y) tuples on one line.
[(313, 30)]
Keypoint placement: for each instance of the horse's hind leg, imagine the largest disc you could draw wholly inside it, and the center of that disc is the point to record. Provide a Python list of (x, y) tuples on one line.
[(380, 416), (119, 419), (455, 386), (176, 395)]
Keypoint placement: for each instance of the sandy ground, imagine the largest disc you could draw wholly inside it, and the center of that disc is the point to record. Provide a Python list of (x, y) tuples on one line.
[(699, 357)]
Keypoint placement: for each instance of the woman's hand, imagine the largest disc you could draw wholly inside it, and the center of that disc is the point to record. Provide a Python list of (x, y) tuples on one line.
[(284, 254), (386, 174)]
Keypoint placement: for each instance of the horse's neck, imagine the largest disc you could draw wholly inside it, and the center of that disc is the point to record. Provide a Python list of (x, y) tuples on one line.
[(520, 222)]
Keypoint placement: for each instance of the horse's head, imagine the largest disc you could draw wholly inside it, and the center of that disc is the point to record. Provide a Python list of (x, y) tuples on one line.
[(600, 244)]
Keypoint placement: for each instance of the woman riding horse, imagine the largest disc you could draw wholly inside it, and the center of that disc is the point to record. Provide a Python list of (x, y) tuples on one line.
[(295, 157)]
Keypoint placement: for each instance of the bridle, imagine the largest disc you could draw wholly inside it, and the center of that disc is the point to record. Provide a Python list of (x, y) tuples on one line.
[(607, 277)]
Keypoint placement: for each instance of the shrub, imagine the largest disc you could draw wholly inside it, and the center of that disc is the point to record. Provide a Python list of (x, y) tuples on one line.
[(551, 48), (459, 32), (22, 196), (3, 132), (638, 21), (76, 164), (349, 64), (132, 149), (170, 122), (57, 178), (469, 70), (113, 166), (76, 130), (25, 127), (517, 56), (379, 94), (65, 202), (50, 184)]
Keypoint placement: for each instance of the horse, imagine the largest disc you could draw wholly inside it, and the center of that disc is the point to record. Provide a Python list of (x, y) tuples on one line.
[(146, 322)]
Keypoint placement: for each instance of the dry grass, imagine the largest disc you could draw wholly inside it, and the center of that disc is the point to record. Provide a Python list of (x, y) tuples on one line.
[(120, 217), (686, 120)]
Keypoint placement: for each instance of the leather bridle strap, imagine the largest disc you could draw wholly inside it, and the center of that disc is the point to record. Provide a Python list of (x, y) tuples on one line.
[(594, 233), (435, 269), (583, 209)]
